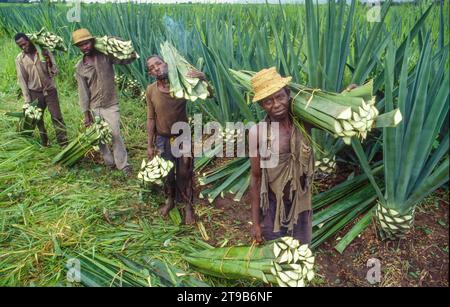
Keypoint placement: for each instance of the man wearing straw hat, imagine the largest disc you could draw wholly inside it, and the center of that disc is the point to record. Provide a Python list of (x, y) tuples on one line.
[(281, 193), (97, 94)]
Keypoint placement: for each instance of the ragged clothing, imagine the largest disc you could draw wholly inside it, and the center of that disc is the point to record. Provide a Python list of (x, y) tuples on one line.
[(96, 87), (35, 74), (302, 231), (294, 175)]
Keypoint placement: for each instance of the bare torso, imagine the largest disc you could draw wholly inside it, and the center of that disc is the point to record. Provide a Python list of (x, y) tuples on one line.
[(281, 141)]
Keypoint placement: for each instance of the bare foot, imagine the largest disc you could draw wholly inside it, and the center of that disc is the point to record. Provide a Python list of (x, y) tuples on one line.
[(189, 217), (164, 211)]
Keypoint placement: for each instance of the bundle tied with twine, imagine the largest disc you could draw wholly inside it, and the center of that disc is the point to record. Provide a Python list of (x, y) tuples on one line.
[(345, 115), (284, 262)]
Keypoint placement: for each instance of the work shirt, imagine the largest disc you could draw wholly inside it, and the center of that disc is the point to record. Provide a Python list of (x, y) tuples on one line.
[(35, 74), (164, 109), (96, 87)]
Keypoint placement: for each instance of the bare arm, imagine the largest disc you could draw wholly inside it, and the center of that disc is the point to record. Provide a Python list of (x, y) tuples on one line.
[(255, 187), (151, 127), (308, 127), (351, 87), (202, 77)]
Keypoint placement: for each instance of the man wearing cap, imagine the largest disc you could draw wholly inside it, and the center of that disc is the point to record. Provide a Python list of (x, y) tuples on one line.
[(163, 111), (97, 94), (35, 75)]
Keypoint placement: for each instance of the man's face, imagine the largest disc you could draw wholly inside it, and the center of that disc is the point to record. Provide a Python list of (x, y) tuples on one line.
[(277, 104), (25, 45), (86, 47), (157, 68)]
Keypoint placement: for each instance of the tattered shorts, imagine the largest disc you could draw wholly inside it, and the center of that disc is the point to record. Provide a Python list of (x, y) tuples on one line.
[(302, 231)]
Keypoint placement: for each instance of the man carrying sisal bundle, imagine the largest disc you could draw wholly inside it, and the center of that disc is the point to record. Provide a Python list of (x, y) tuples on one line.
[(281, 177), (35, 75), (164, 111), (96, 89), (281, 192)]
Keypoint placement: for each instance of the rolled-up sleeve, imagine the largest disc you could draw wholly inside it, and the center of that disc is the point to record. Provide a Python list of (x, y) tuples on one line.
[(83, 92), (22, 79)]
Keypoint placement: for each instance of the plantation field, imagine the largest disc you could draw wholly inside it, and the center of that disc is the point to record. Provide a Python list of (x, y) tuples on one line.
[(50, 214)]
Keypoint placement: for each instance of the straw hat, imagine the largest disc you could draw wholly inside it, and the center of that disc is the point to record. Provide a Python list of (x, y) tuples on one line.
[(81, 35), (267, 82)]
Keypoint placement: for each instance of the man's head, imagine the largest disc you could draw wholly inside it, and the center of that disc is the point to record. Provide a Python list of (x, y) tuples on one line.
[(157, 68), (272, 93), (87, 46), (24, 42), (83, 39), (277, 104)]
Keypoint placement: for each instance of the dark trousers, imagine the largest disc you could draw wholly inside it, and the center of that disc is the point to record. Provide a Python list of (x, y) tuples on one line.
[(51, 101), (178, 183), (302, 230)]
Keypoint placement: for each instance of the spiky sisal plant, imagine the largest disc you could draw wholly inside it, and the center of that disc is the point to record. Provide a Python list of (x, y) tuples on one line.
[(415, 153)]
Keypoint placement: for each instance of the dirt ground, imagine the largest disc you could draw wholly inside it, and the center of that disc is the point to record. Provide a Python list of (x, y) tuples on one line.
[(420, 259)]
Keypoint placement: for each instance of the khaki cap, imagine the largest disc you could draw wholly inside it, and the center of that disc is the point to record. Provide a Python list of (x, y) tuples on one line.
[(81, 35)]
